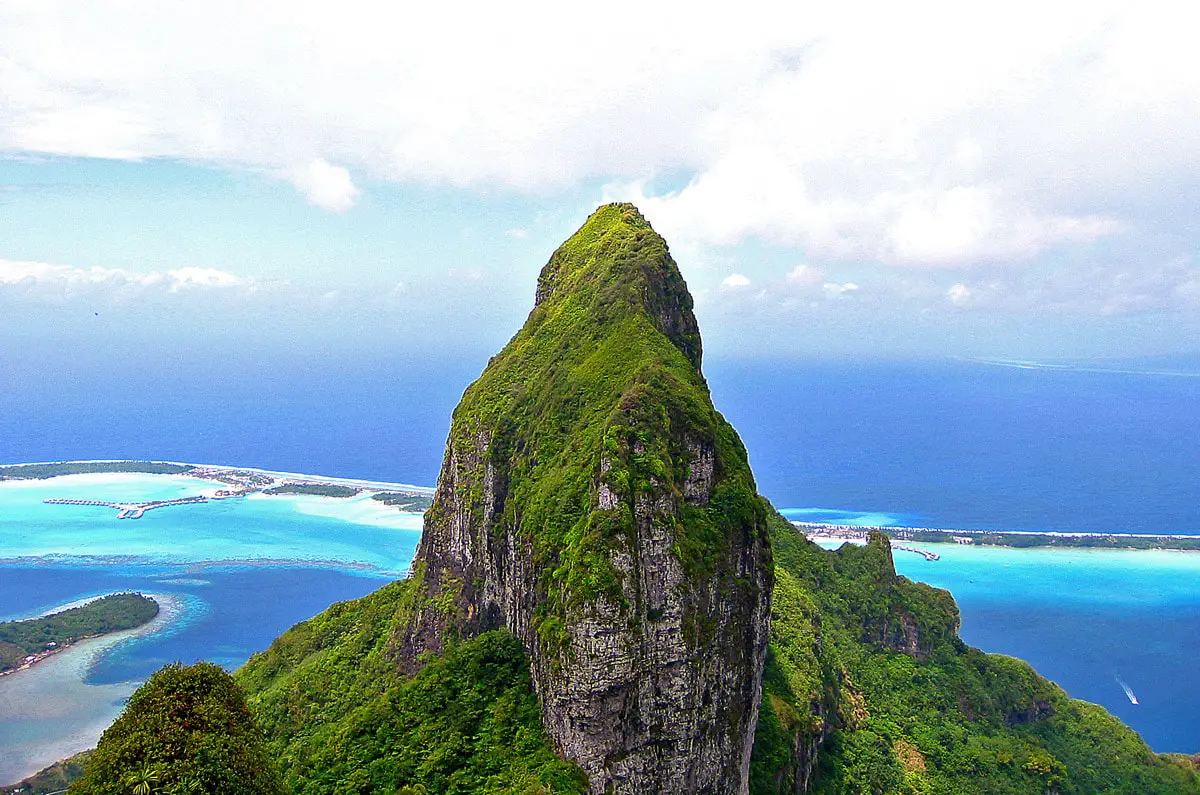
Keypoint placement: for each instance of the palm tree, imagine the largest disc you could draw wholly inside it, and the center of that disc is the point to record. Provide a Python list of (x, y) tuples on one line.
[(144, 778)]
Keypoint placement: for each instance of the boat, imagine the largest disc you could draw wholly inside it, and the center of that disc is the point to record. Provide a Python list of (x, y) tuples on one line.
[(1128, 691)]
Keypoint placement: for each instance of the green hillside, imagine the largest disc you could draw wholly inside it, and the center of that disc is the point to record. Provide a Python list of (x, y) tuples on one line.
[(869, 690), (186, 731), (341, 718)]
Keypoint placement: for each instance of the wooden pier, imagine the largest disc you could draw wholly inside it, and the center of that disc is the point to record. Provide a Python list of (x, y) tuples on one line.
[(922, 552), (130, 510)]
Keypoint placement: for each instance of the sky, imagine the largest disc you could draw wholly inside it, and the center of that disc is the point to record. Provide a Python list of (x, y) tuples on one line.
[(996, 180)]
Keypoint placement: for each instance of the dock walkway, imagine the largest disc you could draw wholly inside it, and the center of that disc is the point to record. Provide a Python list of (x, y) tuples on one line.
[(130, 510), (922, 552)]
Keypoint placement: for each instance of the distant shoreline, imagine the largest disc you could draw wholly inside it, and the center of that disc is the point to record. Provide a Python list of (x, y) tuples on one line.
[(249, 480), (1014, 539), (369, 485), (62, 681), (231, 483)]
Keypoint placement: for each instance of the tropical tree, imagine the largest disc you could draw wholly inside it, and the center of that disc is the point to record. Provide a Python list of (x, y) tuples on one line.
[(144, 778)]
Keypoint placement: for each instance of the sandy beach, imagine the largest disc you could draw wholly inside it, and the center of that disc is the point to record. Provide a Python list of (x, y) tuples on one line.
[(49, 712)]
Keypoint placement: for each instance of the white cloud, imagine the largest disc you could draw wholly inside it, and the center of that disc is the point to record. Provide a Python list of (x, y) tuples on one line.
[(325, 185), (835, 290), (959, 294), (182, 278), (735, 280), (966, 225), (805, 276), (921, 133), (517, 234), (56, 281)]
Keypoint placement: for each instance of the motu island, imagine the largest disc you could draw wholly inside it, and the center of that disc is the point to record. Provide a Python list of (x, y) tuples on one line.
[(25, 643), (602, 603)]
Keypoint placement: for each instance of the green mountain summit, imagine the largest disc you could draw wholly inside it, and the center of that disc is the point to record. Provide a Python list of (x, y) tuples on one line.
[(594, 504)]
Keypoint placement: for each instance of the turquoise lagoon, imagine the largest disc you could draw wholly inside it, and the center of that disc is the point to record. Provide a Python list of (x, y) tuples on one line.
[(1089, 620), (357, 531), (232, 573), (238, 572)]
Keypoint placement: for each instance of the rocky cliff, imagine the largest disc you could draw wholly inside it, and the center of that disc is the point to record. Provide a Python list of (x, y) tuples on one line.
[(594, 503)]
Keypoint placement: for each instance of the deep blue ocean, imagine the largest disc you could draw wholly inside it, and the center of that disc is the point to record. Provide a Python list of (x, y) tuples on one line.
[(1094, 447), (1111, 447), (944, 443)]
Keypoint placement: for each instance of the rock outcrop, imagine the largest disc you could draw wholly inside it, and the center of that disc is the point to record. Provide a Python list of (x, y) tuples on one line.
[(593, 502)]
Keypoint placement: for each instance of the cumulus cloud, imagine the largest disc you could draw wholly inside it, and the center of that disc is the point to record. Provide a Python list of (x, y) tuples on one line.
[(48, 280), (916, 134), (735, 280), (325, 185), (805, 276), (958, 294)]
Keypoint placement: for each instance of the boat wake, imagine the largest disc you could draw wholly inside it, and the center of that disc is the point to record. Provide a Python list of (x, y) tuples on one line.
[(1128, 691)]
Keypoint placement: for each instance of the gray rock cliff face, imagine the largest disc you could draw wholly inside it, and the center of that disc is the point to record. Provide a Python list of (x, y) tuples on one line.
[(592, 502)]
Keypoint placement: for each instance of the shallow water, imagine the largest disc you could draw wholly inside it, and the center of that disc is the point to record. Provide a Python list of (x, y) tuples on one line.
[(236, 572), (1087, 619), (357, 531)]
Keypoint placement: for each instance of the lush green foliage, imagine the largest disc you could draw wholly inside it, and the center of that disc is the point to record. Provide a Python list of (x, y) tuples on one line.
[(867, 688), (867, 667), (603, 381), (314, 489), (107, 614), (187, 731), (343, 719), (43, 471), (413, 503)]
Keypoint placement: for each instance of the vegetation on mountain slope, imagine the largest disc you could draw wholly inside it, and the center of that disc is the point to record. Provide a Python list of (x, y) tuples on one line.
[(869, 690), (342, 718), (50, 780), (187, 731), (593, 502), (605, 369), (589, 434)]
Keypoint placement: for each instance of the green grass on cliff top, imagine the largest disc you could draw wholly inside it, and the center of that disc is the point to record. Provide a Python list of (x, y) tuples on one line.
[(605, 368)]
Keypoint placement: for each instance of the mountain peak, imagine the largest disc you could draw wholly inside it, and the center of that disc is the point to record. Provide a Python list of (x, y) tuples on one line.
[(593, 503), (617, 261)]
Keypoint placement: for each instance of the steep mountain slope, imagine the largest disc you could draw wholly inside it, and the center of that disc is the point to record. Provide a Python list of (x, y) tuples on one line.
[(869, 690), (594, 504), (343, 718)]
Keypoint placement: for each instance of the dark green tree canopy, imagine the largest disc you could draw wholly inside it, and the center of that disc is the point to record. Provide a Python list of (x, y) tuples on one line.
[(187, 731)]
